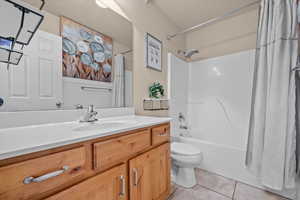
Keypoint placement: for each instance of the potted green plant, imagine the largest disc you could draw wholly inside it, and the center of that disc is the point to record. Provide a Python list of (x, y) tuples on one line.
[(156, 90)]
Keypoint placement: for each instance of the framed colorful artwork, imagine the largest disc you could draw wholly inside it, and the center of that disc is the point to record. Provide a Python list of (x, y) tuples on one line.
[(86, 53), (153, 52)]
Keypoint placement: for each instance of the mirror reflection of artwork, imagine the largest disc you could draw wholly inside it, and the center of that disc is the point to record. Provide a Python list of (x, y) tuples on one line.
[(86, 54), (154, 51)]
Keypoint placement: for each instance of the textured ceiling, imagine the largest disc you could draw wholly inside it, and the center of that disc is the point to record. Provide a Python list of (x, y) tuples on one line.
[(88, 13), (188, 13)]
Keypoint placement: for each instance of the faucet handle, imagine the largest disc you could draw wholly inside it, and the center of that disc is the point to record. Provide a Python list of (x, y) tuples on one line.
[(91, 108), (79, 106), (181, 116)]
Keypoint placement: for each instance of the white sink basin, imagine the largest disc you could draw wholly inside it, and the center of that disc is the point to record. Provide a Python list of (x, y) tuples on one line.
[(104, 125)]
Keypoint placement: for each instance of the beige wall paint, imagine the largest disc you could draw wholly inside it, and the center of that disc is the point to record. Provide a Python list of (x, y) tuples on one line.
[(50, 23), (228, 36), (148, 18)]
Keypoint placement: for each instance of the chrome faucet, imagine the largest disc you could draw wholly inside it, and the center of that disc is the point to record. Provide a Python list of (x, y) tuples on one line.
[(90, 115), (182, 122)]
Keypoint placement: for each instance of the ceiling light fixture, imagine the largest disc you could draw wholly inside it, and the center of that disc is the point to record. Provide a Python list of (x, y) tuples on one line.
[(101, 4)]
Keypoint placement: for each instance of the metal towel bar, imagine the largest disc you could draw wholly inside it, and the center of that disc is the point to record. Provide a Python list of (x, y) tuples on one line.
[(95, 88)]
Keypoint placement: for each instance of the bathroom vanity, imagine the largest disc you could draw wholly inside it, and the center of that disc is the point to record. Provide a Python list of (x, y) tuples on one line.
[(129, 161)]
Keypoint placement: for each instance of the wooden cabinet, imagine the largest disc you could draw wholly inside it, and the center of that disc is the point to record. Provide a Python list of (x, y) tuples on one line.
[(110, 185), (150, 174), (97, 169)]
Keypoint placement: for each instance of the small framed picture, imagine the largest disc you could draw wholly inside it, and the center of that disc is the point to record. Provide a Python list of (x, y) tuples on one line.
[(153, 52)]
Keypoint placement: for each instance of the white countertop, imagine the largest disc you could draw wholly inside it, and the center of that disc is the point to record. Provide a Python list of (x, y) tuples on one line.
[(28, 139)]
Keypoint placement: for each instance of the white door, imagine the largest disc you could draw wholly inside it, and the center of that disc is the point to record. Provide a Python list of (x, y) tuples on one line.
[(36, 83)]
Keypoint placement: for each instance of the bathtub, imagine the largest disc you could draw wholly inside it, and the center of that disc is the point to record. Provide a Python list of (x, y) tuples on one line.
[(222, 160), (228, 162)]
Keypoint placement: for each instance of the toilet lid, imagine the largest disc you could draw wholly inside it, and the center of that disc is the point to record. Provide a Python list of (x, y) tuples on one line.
[(184, 149)]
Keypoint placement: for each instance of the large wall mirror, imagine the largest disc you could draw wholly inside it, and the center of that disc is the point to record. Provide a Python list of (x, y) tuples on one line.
[(81, 55)]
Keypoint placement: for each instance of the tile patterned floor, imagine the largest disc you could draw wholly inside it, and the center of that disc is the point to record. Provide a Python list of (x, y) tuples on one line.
[(214, 187)]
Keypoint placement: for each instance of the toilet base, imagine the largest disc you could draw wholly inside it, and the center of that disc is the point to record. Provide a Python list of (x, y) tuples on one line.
[(186, 177)]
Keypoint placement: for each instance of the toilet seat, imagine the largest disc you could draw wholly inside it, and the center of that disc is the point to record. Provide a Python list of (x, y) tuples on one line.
[(184, 149)]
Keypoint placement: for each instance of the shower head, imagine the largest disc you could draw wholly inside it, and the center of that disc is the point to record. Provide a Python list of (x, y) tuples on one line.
[(188, 53)]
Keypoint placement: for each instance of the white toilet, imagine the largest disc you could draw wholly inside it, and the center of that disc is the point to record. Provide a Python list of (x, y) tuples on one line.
[(185, 157)]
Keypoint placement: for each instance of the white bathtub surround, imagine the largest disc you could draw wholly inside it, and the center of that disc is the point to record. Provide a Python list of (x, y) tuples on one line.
[(218, 107), (219, 99), (119, 84), (28, 139), (178, 87), (272, 132)]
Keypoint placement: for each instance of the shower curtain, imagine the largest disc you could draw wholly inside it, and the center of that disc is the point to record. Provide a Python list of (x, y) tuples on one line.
[(119, 81), (271, 151)]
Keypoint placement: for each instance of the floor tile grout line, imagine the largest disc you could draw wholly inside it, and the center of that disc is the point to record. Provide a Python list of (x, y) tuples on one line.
[(235, 185), (211, 190), (216, 174), (214, 191), (173, 192)]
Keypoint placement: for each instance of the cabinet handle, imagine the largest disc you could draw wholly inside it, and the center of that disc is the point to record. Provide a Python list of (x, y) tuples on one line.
[(135, 177), (42, 178), (163, 134), (122, 186)]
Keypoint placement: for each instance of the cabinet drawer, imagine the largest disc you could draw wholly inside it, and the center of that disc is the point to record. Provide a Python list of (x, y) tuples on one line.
[(25, 180), (114, 151), (160, 134), (110, 185)]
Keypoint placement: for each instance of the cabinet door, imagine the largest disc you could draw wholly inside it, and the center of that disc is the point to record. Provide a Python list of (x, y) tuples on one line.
[(110, 185), (150, 175), (36, 83)]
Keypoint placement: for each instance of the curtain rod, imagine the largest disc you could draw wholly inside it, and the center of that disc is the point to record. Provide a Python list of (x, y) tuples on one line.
[(230, 13)]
